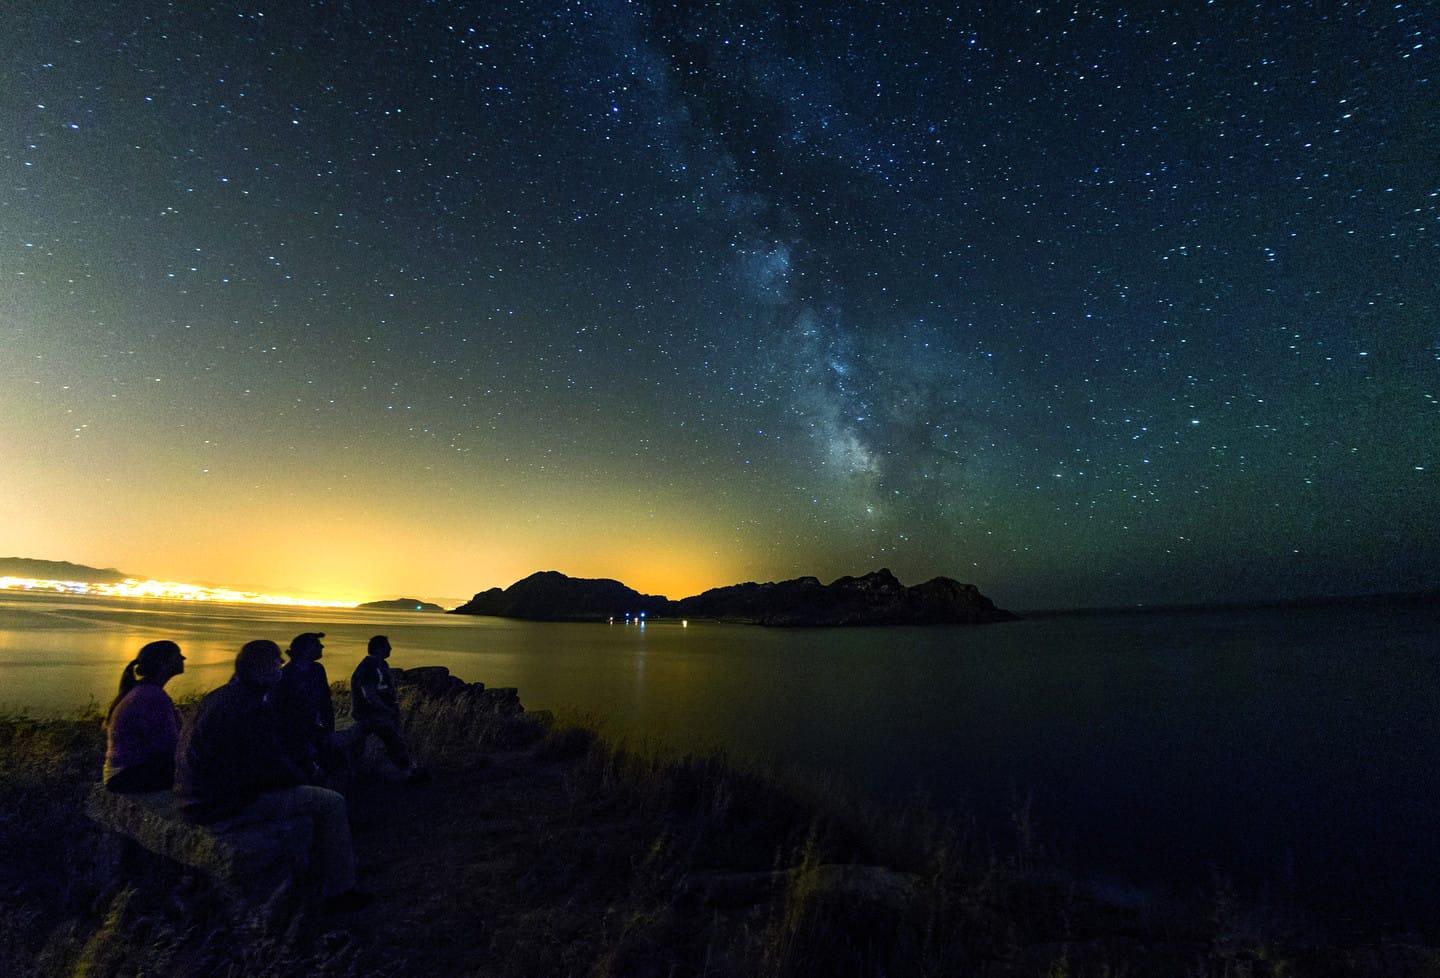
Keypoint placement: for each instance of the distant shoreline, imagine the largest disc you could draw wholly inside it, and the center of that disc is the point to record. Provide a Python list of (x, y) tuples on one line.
[(83, 574)]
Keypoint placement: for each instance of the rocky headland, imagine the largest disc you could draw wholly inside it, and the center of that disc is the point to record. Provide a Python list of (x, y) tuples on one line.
[(877, 598), (60, 570), (541, 849)]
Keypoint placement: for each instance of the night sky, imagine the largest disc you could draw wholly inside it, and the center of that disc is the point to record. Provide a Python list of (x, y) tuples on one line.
[(1085, 304)]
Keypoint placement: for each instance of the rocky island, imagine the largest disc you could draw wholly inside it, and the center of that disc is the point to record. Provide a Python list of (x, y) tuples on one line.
[(552, 596), (877, 598), (400, 604)]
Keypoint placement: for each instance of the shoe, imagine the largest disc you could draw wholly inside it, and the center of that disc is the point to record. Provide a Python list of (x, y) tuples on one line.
[(349, 902)]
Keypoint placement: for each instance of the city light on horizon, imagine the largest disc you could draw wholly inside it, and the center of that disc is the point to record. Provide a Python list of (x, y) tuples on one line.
[(164, 590)]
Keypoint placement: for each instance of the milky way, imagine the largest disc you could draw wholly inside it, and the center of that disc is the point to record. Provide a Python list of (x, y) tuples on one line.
[(1085, 304)]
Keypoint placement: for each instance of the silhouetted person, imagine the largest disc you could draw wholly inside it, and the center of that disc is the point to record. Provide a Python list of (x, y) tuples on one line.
[(302, 700), (376, 709), (142, 726), (232, 765)]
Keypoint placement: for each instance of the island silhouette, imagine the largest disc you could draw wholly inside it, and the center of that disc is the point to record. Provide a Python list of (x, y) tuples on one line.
[(400, 604), (877, 598)]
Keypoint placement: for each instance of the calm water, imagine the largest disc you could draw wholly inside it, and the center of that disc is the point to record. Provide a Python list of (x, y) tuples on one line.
[(1293, 751)]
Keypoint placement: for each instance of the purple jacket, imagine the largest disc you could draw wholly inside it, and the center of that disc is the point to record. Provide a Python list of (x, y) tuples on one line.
[(143, 727)]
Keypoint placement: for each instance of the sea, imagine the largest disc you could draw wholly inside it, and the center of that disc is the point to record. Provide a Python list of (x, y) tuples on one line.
[(1289, 756)]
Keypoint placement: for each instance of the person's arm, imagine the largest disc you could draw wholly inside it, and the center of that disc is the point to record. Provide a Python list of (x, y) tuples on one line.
[(275, 765), (387, 695), (167, 725), (363, 688), (326, 704), (148, 718), (257, 757)]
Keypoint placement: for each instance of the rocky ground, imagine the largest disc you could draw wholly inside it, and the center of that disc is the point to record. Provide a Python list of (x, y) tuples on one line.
[(539, 849)]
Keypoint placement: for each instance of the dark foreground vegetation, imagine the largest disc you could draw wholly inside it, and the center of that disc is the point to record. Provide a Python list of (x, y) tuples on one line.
[(541, 849)]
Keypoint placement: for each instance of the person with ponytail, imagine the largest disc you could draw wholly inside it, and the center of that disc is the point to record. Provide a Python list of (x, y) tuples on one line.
[(143, 726)]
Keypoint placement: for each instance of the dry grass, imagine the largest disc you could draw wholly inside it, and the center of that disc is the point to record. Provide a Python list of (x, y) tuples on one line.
[(644, 864), (76, 902)]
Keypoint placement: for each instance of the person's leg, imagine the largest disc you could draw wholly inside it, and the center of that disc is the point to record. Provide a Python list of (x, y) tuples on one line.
[(155, 774), (353, 742), (394, 746), (332, 828), (329, 754), (347, 739)]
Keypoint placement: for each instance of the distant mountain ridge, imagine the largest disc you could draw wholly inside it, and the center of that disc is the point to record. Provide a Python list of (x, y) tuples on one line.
[(877, 598), (60, 570)]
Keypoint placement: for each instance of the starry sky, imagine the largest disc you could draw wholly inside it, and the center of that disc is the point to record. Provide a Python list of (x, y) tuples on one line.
[(1087, 304)]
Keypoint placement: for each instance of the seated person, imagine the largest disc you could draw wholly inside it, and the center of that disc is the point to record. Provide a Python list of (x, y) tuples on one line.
[(377, 711), (232, 766), (142, 726), (302, 700)]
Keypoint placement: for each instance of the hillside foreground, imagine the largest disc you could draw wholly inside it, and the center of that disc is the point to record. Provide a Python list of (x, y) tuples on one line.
[(540, 848)]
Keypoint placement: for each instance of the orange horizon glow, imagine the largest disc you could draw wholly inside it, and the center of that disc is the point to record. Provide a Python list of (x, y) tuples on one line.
[(181, 591), (380, 537), (684, 580)]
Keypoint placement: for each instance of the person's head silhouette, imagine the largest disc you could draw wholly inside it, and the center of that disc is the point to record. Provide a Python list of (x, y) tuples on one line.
[(306, 647), (258, 664)]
